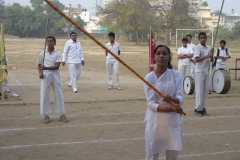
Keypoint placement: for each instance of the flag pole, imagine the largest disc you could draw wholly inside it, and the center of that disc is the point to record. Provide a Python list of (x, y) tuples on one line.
[(150, 48)]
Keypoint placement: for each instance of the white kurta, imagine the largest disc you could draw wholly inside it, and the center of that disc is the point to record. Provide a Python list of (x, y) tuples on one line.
[(163, 130), (73, 55), (51, 78)]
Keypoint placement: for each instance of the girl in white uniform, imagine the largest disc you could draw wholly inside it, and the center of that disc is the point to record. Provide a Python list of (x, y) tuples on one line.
[(163, 130)]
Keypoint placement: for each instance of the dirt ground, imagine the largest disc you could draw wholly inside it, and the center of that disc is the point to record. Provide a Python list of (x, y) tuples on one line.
[(105, 124)]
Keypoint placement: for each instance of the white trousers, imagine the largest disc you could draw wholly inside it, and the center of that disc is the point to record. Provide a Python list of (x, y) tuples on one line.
[(201, 89), (5, 85), (75, 70), (184, 70), (112, 64), (51, 79), (192, 70)]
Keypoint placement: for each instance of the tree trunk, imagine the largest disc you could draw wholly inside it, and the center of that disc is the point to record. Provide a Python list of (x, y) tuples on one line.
[(168, 37), (137, 37)]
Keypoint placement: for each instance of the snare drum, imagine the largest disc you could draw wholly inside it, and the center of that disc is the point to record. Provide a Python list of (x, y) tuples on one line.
[(221, 81), (188, 85)]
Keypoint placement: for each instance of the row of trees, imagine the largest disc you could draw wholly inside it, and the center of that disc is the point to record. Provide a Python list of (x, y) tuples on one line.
[(27, 21)]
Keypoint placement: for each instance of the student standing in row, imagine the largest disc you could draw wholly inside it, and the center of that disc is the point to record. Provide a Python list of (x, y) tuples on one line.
[(193, 63), (73, 56), (185, 53), (48, 67), (202, 54), (111, 62)]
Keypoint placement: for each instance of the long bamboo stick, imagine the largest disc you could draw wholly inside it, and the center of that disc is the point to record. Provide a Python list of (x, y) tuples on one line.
[(106, 49)]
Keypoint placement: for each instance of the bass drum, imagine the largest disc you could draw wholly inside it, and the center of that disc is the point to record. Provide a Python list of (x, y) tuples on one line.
[(221, 81), (188, 85)]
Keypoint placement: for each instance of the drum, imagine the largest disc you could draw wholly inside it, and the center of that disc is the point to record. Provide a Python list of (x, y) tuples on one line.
[(188, 85), (221, 81)]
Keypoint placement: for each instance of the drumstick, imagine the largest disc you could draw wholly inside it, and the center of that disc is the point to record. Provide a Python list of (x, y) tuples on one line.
[(106, 49)]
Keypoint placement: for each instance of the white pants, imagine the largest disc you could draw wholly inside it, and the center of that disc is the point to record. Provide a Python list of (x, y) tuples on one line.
[(5, 86), (201, 89), (184, 70), (51, 79), (192, 70), (218, 66), (112, 64), (75, 70)]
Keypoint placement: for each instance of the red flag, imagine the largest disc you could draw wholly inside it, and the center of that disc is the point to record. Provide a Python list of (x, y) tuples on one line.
[(152, 47)]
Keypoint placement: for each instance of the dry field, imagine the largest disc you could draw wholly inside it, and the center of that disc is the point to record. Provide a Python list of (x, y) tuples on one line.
[(103, 124)]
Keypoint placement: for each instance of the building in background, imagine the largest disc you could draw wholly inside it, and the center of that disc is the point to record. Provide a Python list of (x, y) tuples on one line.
[(231, 19), (91, 21)]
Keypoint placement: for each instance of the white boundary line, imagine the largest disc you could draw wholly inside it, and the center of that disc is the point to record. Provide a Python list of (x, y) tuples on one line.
[(203, 154), (105, 141), (140, 112)]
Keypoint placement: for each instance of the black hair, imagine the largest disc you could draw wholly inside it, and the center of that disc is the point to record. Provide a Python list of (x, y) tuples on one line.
[(111, 34), (189, 35), (170, 54), (73, 33), (54, 39), (184, 40), (223, 41), (203, 34)]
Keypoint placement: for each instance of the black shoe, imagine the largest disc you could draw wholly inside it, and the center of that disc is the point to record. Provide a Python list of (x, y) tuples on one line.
[(198, 113), (205, 112)]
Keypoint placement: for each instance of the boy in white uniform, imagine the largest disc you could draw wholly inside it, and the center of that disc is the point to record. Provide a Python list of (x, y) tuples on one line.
[(48, 68), (72, 54), (221, 55), (111, 62), (193, 63), (185, 53), (202, 54)]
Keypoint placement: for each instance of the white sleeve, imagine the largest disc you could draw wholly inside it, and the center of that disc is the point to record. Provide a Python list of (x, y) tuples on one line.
[(40, 58), (179, 88), (65, 52), (151, 96), (229, 53), (81, 53), (197, 52), (179, 51)]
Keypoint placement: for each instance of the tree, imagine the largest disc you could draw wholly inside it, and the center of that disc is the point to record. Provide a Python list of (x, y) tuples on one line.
[(170, 14), (2, 7), (126, 15), (205, 3), (236, 30)]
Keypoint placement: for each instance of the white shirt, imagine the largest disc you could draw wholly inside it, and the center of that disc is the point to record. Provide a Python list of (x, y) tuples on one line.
[(191, 45), (201, 51), (114, 48), (72, 52), (50, 59), (222, 53), (184, 61), (169, 83)]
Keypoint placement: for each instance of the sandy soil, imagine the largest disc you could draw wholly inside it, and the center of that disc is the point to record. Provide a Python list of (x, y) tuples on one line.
[(105, 124)]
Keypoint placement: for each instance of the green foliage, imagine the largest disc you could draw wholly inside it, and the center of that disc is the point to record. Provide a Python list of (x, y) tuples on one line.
[(2, 7), (205, 3), (236, 30)]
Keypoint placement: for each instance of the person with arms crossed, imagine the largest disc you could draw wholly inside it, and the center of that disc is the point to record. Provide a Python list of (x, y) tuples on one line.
[(163, 123), (73, 56), (193, 63), (202, 54), (185, 54), (111, 62), (221, 55), (48, 67)]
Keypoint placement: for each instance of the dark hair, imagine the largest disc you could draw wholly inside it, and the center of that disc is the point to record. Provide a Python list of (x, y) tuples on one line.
[(111, 34), (184, 40), (170, 54), (53, 38), (203, 34), (189, 35), (223, 41), (73, 33)]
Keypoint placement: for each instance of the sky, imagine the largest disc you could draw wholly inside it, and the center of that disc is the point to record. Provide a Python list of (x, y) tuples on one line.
[(90, 4)]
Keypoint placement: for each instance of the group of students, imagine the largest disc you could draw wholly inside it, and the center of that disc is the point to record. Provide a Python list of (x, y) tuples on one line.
[(195, 61), (163, 122), (48, 67)]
